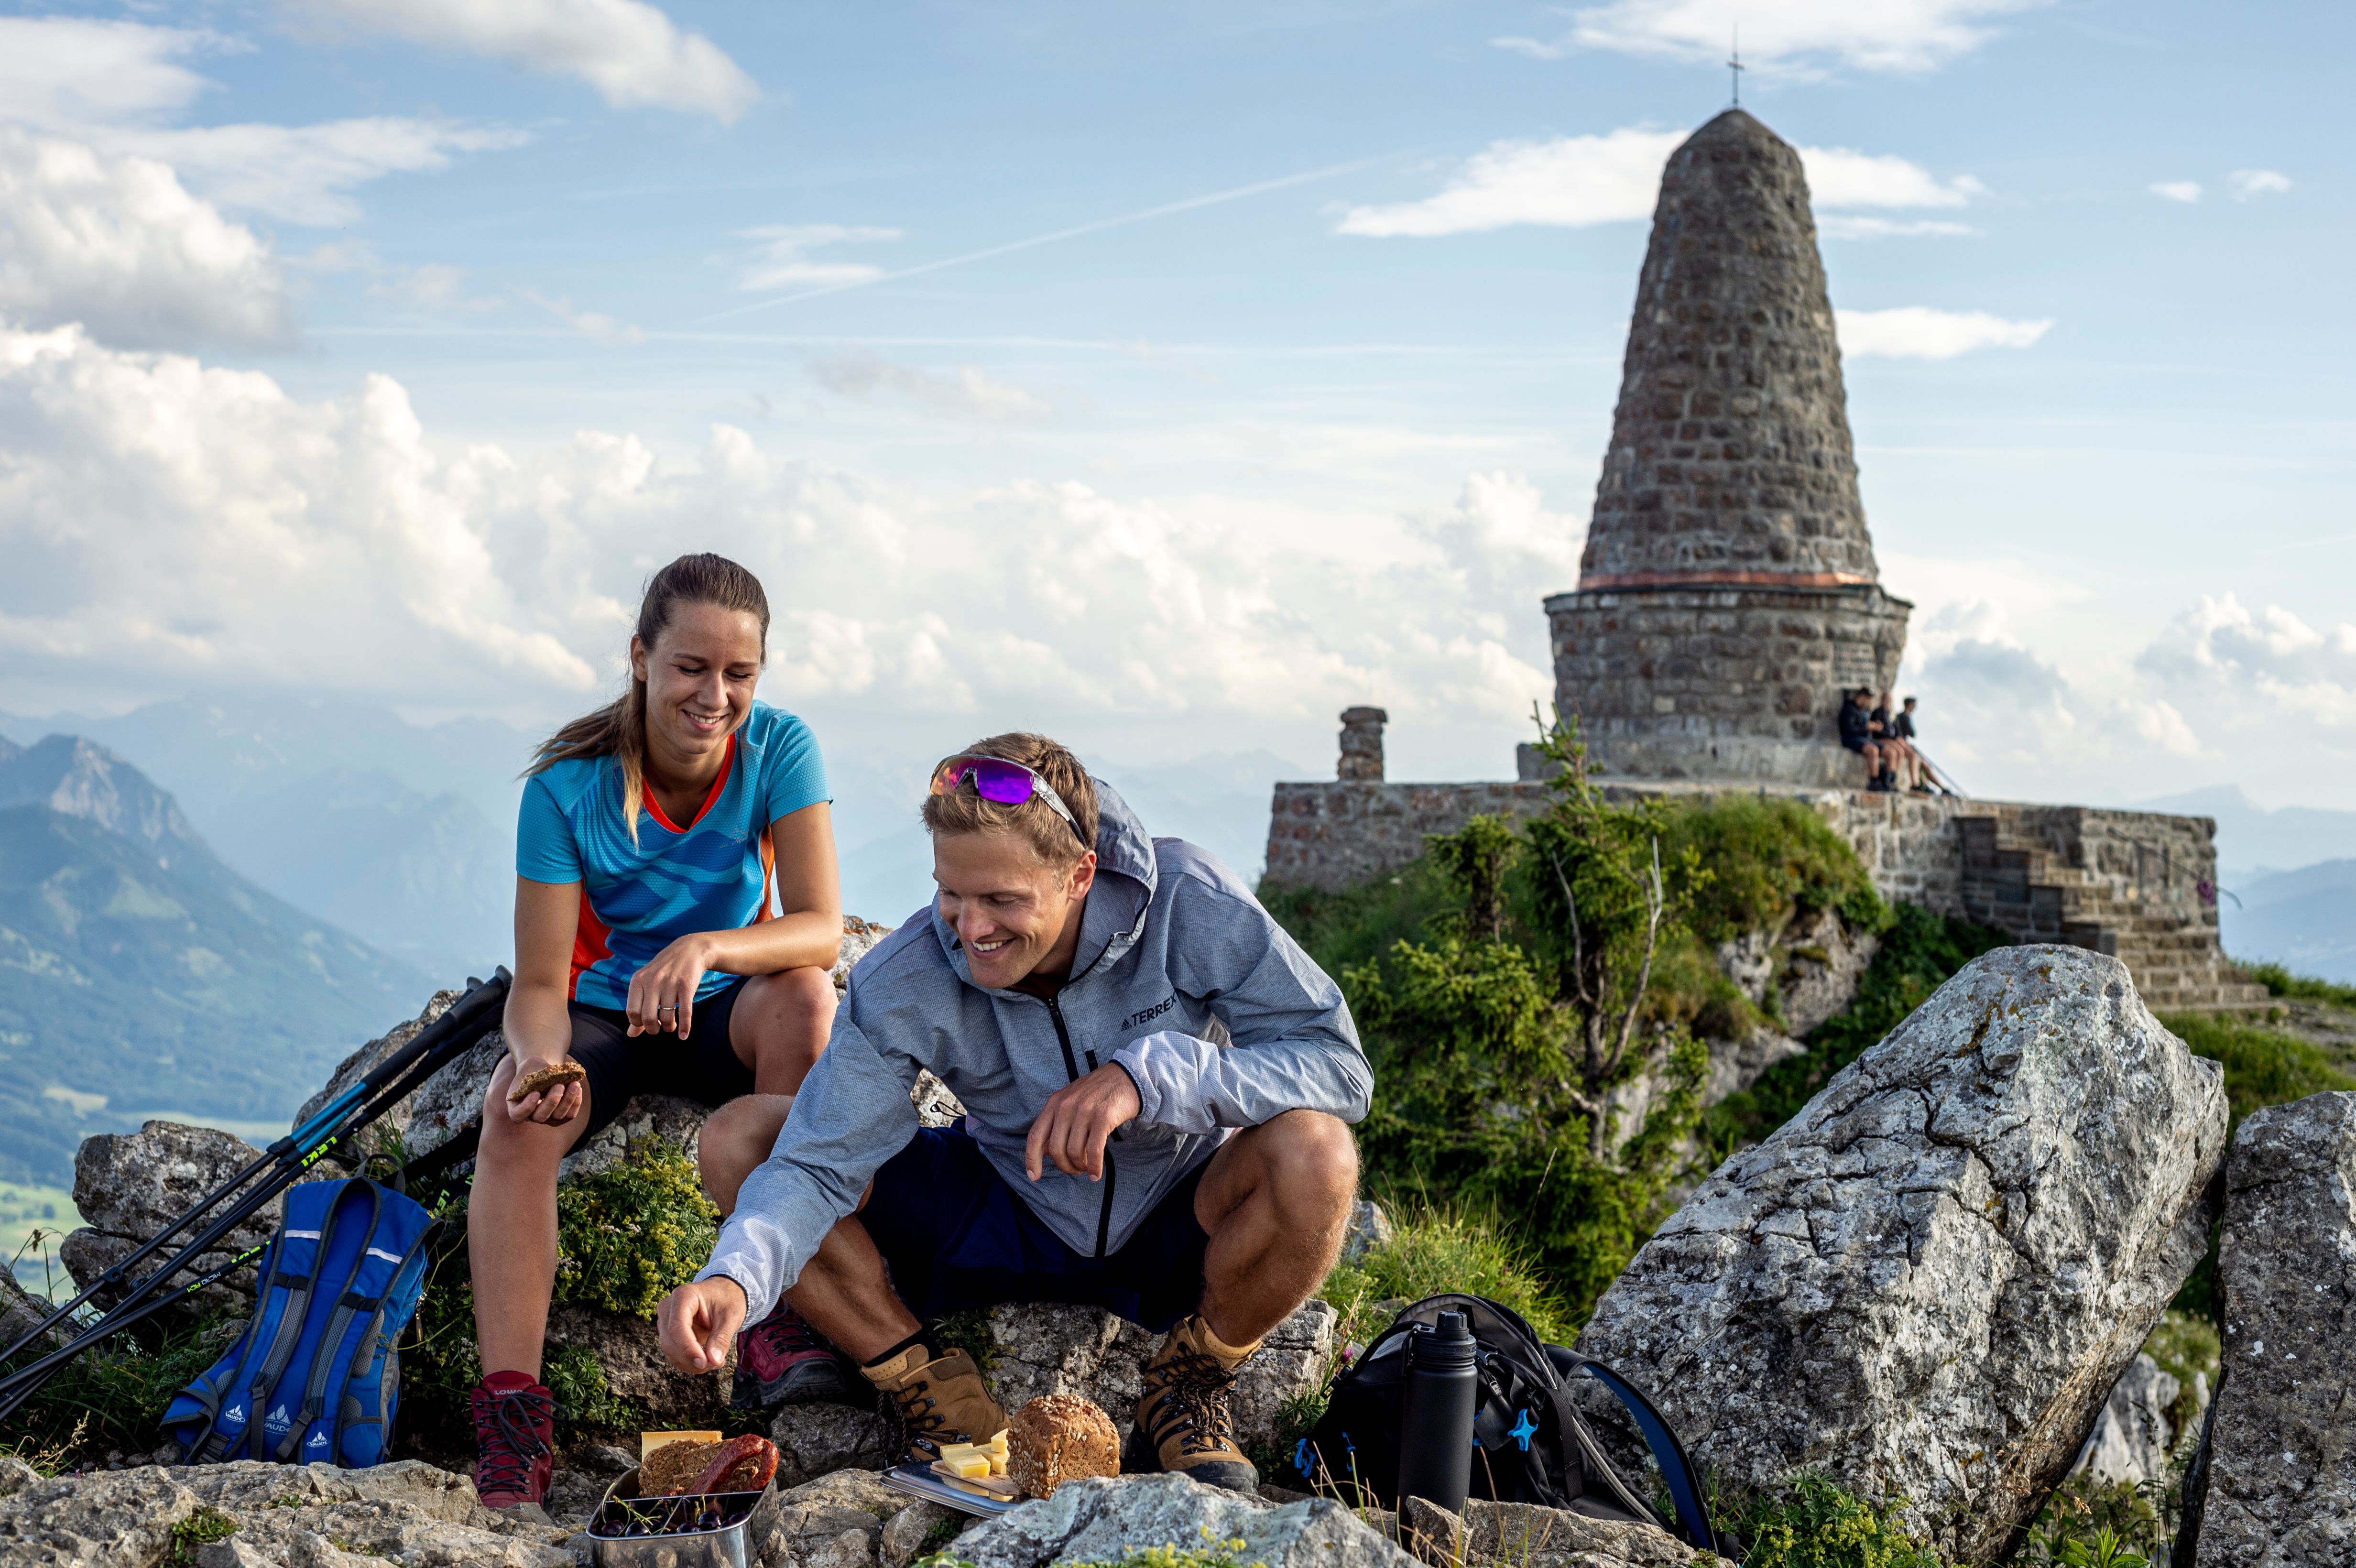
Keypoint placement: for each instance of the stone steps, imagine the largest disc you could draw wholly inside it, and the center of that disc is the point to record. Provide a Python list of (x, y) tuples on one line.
[(2026, 890)]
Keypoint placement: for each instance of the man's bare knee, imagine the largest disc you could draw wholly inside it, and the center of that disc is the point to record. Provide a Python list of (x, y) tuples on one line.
[(1315, 1152), (734, 1140)]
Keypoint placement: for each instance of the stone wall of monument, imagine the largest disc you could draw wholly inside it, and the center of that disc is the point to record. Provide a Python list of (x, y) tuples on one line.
[(1722, 683)]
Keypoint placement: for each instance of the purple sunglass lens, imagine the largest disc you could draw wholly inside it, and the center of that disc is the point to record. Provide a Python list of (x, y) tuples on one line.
[(1001, 781)]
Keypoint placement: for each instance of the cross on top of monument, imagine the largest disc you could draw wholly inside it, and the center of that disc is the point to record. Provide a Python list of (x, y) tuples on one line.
[(1734, 66)]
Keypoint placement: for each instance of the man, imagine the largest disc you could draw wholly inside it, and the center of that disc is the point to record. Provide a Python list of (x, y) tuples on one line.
[(1157, 1082), (1857, 734)]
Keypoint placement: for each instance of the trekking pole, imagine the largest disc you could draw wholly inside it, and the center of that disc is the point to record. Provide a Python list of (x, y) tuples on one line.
[(467, 1020)]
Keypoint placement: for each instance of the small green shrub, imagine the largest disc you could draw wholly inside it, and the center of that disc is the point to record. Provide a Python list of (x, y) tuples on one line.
[(2088, 1524), (626, 1236), (1817, 1524), (2281, 982), (1434, 1250), (114, 1395), (1358, 925), (1768, 858), (205, 1525)]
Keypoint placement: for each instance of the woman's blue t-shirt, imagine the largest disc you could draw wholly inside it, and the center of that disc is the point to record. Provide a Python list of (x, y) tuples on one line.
[(712, 874)]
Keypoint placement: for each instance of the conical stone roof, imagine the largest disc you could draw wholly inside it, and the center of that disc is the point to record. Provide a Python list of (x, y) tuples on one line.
[(1730, 460)]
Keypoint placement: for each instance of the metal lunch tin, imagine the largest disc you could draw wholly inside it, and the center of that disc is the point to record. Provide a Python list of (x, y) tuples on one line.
[(677, 1539)]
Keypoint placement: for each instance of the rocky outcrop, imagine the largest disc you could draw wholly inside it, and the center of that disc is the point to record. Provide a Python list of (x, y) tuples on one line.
[(2133, 1436), (1519, 1535), (246, 1515), (2279, 1487), (1040, 1348), (1098, 1520), (129, 1186), (1806, 974), (1926, 1282), (815, 1440)]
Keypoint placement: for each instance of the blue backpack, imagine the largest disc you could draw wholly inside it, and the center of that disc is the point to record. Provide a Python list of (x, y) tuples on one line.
[(315, 1378)]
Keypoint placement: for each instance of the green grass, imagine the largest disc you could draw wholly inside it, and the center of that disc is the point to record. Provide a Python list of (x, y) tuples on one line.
[(2262, 1066), (2281, 982), (1435, 1250), (1361, 924), (204, 1526), (114, 1395)]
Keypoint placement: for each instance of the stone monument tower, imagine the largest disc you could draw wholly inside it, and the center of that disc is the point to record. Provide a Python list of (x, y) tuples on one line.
[(1728, 593)]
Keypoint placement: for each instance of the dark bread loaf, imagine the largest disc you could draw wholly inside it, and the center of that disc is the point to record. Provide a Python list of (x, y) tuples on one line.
[(671, 1468), (1059, 1438)]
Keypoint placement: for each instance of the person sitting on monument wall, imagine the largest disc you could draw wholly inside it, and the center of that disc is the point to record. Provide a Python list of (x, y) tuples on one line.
[(1900, 758), (1857, 734), (1071, 985)]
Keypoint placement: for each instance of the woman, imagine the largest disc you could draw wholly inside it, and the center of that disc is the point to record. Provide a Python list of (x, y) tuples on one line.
[(677, 916)]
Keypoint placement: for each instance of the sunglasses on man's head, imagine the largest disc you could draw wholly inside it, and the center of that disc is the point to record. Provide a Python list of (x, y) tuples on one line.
[(1008, 783)]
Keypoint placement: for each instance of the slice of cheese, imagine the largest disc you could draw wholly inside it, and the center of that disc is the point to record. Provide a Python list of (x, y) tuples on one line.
[(968, 1470), (650, 1441)]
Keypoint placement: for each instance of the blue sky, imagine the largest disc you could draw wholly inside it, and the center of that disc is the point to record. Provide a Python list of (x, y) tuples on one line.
[(1169, 377)]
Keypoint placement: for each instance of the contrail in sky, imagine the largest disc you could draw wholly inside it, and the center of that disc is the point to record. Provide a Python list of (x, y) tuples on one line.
[(1189, 205)]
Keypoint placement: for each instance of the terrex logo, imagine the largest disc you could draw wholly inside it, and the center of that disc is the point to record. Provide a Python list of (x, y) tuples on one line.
[(1149, 1014)]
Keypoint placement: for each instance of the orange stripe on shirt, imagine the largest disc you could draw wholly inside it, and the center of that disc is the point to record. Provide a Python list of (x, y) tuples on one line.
[(589, 947)]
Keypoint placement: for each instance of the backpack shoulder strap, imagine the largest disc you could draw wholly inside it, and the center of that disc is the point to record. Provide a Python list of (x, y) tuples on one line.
[(1693, 1521), (349, 1304)]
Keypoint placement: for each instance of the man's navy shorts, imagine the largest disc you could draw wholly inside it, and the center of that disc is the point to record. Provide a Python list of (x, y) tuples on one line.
[(957, 1235)]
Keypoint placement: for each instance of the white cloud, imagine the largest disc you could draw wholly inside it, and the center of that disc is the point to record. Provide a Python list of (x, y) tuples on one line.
[(1567, 181), (62, 72), (117, 244), (633, 55), (1844, 177), (1573, 182), (2248, 183), (2178, 190), (120, 86), (782, 258), (965, 392), (2265, 669), (1842, 226), (1794, 37), (306, 173), (1919, 332), (171, 526)]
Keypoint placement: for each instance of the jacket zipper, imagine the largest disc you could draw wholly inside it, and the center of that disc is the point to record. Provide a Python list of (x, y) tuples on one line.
[(1071, 1075)]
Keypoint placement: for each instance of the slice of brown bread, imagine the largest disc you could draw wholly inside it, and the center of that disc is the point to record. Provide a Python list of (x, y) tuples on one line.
[(1059, 1438), (541, 1078), (672, 1466)]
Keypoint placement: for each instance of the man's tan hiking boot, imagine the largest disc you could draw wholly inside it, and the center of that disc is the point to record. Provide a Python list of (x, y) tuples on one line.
[(1182, 1422), (937, 1402)]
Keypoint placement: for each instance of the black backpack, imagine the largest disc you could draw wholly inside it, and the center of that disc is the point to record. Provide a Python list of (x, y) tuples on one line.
[(1533, 1447)]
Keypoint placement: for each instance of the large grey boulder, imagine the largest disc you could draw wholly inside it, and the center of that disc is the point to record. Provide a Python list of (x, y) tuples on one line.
[(1040, 1348), (1926, 1282), (129, 1186), (1098, 1520), (314, 1516), (2281, 1448)]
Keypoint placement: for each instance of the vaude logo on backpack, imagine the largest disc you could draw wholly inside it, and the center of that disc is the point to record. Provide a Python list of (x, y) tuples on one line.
[(339, 1282), (1531, 1445)]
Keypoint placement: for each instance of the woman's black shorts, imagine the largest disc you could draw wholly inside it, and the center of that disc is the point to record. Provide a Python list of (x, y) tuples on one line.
[(703, 1067)]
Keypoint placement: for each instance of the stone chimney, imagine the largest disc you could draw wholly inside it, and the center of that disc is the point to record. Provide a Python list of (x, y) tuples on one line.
[(1362, 745)]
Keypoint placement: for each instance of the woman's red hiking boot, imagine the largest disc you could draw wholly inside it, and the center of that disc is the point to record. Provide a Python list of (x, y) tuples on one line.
[(515, 1440)]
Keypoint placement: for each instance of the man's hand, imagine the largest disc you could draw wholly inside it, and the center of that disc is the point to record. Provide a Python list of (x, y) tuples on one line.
[(662, 993), (1078, 1118), (551, 1107), (697, 1323)]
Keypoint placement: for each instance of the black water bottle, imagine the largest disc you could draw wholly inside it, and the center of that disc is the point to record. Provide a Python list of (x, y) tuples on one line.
[(1436, 1414)]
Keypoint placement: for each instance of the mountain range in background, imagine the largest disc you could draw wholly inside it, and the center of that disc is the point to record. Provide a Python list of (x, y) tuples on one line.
[(141, 976), (2286, 880)]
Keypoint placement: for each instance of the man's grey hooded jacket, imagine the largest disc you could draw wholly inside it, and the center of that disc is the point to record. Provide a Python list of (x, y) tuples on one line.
[(1171, 948)]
